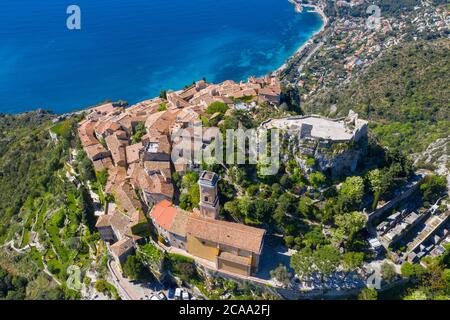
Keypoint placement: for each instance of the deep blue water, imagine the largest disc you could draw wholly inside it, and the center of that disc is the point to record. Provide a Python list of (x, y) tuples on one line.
[(131, 49)]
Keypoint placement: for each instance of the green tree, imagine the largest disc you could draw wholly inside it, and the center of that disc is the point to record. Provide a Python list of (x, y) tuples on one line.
[(190, 197), (314, 238), (375, 179), (416, 295), (285, 209), (232, 207), (217, 107), (303, 263), (282, 275), (368, 294), (350, 223), (410, 270), (388, 272), (133, 268), (317, 179), (351, 194), (352, 260), (305, 206), (327, 259), (263, 208), (432, 187)]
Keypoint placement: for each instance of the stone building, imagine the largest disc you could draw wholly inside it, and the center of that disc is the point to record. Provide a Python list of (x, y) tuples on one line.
[(209, 200), (229, 246), (331, 146)]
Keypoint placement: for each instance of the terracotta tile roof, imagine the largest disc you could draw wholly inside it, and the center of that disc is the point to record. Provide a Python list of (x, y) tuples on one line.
[(181, 166), (227, 233), (157, 148), (176, 101), (161, 167), (106, 126), (132, 152), (121, 135), (125, 122), (188, 93), (179, 223), (86, 133), (145, 107), (103, 221), (155, 184), (117, 148), (98, 165), (235, 258), (127, 200), (122, 224), (104, 108), (107, 162), (163, 214), (161, 121), (96, 151), (122, 246), (116, 176), (133, 171)]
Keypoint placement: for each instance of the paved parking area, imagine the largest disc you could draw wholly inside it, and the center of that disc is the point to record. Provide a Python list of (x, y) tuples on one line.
[(274, 254)]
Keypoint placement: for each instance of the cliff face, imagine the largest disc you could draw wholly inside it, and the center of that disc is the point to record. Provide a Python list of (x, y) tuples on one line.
[(335, 159)]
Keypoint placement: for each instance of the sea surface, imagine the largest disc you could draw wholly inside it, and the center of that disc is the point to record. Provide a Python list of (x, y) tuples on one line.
[(132, 49)]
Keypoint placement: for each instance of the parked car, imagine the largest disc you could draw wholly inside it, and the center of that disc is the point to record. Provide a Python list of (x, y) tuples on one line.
[(162, 296), (185, 295), (171, 293), (178, 293)]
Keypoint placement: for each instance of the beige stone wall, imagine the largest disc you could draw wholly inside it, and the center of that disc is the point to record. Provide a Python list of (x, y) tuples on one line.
[(207, 195), (202, 249), (233, 267), (210, 213)]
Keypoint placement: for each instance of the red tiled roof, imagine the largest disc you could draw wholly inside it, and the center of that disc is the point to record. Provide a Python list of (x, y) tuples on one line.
[(163, 214), (228, 233)]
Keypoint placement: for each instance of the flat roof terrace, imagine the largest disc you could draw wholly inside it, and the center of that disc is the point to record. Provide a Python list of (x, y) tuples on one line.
[(320, 127), (208, 178)]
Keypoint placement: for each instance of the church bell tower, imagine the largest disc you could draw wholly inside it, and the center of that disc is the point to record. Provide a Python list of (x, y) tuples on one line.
[(209, 200)]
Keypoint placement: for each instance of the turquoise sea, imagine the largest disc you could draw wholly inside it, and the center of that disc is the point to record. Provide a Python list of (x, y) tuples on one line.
[(131, 49)]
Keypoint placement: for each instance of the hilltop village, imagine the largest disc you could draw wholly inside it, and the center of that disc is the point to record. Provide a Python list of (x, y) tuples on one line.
[(140, 174), (342, 209), (134, 146), (227, 235), (359, 206)]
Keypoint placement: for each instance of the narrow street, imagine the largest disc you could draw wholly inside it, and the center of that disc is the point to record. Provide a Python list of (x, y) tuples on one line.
[(129, 290)]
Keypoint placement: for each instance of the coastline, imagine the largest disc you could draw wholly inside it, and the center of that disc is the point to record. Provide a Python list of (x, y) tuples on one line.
[(274, 68), (299, 9)]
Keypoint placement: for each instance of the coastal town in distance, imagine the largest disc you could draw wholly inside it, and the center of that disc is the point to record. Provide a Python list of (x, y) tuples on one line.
[(326, 179)]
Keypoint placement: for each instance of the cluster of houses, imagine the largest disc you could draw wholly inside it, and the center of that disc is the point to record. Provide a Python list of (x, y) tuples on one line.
[(134, 146)]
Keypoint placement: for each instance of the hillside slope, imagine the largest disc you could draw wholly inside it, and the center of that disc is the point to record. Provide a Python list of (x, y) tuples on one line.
[(405, 94), (44, 217)]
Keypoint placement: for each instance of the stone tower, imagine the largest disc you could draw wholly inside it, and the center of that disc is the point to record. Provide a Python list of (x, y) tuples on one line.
[(209, 200)]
